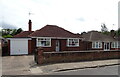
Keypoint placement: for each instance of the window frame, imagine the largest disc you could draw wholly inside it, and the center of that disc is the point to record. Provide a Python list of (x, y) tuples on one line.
[(38, 45), (97, 43), (68, 45), (115, 44)]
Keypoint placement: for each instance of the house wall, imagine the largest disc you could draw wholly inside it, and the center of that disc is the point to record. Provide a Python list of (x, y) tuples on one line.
[(113, 48), (33, 43), (89, 47), (64, 47), (29, 46), (52, 48)]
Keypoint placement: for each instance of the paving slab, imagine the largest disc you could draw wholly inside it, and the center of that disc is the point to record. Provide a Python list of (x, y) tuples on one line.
[(50, 68)]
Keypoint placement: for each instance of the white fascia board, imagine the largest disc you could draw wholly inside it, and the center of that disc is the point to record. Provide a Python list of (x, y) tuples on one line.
[(18, 38), (56, 37)]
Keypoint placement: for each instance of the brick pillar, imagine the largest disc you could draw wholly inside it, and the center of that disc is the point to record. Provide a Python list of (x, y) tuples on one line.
[(29, 47), (40, 55)]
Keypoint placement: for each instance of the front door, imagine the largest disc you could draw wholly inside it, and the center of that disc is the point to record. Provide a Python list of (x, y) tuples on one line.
[(57, 45), (106, 46)]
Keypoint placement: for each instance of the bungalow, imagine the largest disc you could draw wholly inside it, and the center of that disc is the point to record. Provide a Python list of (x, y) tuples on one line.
[(50, 38), (99, 41), (54, 38)]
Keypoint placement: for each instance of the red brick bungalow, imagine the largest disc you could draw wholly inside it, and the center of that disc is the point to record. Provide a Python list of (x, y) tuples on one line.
[(51, 38), (98, 41), (54, 38)]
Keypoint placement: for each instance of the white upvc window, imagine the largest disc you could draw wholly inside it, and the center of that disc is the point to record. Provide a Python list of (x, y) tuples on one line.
[(96, 44), (71, 42), (43, 42), (115, 44)]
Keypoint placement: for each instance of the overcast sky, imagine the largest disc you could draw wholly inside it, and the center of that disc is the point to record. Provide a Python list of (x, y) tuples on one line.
[(74, 15)]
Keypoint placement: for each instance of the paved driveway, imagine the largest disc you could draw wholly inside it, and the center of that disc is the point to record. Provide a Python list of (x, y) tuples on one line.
[(17, 65)]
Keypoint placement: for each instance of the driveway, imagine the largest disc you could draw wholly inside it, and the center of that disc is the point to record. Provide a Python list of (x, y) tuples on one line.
[(17, 65)]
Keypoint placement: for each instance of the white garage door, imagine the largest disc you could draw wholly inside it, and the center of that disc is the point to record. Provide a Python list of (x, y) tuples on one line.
[(18, 46)]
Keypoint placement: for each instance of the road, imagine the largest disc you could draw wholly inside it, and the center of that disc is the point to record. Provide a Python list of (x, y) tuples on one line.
[(107, 70)]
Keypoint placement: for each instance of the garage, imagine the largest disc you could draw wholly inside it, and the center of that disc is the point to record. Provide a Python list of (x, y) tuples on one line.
[(19, 46)]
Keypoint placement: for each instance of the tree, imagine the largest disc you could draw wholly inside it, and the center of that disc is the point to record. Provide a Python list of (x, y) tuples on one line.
[(117, 32), (14, 32), (10, 32), (19, 30), (83, 33), (104, 28)]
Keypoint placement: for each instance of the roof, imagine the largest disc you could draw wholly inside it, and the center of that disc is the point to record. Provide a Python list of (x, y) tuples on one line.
[(97, 36), (54, 31), (117, 37), (23, 34)]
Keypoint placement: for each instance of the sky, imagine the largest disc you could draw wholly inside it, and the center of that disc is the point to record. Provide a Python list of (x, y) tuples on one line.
[(73, 15)]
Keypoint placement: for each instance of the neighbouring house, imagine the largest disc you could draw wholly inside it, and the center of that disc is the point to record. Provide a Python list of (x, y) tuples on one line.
[(4, 46), (0, 45), (99, 41), (116, 44)]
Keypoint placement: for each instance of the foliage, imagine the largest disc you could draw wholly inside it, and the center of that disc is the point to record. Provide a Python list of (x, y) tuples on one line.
[(10, 32), (104, 28), (106, 32), (19, 30), (7, 36), (117, 32)]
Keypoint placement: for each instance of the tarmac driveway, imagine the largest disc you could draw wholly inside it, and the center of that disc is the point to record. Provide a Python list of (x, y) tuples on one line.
[(17, 65)]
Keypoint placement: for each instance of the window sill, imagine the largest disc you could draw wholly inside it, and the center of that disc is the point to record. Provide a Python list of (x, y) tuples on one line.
[(96, 48), (73, 46), (43, 46)]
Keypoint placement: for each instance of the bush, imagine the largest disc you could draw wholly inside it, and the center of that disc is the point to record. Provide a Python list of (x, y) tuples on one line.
[(7, 36)]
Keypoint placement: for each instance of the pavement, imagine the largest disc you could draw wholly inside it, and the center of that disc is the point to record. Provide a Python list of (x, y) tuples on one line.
[(52, 68), (25, 65)]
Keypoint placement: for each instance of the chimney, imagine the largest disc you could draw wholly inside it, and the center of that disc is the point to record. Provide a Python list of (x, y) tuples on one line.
[(30, 25)]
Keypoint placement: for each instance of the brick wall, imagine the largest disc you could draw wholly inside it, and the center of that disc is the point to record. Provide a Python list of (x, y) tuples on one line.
[(55, 57)]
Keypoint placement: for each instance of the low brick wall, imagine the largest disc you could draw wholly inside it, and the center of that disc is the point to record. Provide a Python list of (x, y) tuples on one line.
[(57, 57)]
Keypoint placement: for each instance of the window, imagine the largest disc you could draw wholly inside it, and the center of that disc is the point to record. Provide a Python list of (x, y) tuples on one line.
[(115, 44), (96, 44), (73, 42), (118, 44), (44, 42)]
